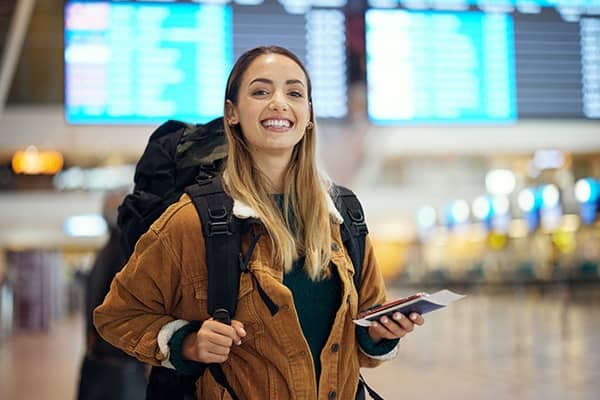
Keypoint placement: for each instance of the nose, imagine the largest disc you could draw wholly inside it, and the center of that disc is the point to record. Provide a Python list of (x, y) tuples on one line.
[(278, 102)]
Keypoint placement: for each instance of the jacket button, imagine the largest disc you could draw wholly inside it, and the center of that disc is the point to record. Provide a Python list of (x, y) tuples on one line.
[(334, 246), (335, 347), (332, 395)]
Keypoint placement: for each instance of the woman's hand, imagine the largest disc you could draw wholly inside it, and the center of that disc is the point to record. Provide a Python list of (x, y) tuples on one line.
[(213, 341), (395, 327)]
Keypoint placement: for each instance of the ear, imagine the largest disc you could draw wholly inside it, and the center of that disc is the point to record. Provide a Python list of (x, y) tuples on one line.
[(231, 115)]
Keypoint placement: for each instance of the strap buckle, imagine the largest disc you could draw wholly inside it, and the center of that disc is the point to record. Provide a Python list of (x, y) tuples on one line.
[(359, 226), (218, 224), (222, 315)]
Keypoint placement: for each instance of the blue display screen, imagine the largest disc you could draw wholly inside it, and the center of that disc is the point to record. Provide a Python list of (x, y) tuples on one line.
[(143, 62), (482, 61), (429, 66)]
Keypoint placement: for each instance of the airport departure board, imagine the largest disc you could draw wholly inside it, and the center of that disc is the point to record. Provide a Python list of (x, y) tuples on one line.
[(483, 61), (143, 62)]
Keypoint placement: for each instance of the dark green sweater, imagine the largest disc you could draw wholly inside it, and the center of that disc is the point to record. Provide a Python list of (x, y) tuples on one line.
[(316, 304)]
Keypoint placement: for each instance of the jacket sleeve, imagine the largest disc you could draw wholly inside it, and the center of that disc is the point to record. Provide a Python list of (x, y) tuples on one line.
[(140, 301), (371, 293)]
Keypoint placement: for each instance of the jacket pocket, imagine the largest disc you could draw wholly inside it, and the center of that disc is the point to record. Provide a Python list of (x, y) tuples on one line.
[(200, 286), (245, 311)]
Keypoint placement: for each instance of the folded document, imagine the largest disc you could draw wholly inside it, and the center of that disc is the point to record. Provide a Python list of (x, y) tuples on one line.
[(419, 302)]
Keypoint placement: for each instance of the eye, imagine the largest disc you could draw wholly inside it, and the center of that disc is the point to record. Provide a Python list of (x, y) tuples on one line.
[(260, 92), (296, 93)]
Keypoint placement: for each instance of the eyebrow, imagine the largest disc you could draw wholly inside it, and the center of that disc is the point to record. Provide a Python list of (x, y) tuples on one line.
[(268, 81)]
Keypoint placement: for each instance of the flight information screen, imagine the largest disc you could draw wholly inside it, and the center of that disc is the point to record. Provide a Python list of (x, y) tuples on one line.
[(482, 60), (142, 62)]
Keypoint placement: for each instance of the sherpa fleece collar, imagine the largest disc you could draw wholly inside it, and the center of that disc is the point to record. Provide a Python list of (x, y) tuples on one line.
[(243, 211)]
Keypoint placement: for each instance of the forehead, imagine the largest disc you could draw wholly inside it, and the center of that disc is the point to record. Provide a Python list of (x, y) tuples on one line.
[(275, 67)]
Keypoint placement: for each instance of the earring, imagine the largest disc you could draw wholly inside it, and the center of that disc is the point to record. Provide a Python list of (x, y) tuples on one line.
[(309, 125)]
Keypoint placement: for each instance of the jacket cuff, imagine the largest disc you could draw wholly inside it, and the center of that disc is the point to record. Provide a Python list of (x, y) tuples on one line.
[(384, 350), (176, 359), (164, 336)]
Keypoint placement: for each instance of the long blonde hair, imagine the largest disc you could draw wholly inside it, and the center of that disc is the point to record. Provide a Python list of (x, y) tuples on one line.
[(303, 228)]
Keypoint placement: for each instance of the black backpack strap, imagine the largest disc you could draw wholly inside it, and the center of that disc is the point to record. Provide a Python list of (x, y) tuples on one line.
[(362, 386), (354, 229), (223, 241), (166, 384), (222, 237)]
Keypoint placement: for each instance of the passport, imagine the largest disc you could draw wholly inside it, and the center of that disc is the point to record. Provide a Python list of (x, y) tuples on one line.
[(420, 303)]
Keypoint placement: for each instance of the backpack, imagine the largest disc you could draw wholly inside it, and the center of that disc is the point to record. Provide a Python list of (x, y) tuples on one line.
[(182, 157)]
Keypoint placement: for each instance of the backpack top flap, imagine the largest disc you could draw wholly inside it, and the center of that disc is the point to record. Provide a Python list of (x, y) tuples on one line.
[(176, 153), (205, 146), (155, 170)]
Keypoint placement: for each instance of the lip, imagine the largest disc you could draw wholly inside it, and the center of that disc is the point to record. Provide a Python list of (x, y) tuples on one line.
[(277, 128)]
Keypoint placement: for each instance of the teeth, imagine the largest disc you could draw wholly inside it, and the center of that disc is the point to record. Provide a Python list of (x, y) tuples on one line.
[(277, 123)]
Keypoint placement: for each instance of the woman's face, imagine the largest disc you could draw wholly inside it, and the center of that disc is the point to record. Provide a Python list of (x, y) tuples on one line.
[(273, 108)]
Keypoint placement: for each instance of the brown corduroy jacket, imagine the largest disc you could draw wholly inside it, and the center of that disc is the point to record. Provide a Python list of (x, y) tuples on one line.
[(164, 285)]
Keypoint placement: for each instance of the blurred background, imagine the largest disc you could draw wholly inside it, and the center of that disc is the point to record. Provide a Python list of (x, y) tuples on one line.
[(470, 129)]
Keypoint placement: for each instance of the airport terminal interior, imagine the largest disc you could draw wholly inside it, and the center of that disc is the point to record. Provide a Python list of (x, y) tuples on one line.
[(469, 130)]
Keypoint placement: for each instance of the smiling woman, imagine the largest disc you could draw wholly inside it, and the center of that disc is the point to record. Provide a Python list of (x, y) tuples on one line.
[(292, 328), (270, 128), (273, 113)]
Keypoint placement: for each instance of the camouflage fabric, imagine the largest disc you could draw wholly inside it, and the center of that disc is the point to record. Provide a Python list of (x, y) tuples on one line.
[(201, 145)]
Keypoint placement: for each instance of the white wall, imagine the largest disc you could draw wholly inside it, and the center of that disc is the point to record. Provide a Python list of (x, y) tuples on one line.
[(355, 145), (45, 126), (35, 219)]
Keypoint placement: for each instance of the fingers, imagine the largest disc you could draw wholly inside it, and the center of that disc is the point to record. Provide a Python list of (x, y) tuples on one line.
[(387, 328), (396, 327), (235, 331), (417, 319), (238, 327), (214, 340)]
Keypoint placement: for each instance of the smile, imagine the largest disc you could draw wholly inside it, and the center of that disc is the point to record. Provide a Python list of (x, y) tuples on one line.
[(277, 123)]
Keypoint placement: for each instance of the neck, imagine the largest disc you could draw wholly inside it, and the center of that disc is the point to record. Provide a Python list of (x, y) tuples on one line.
[(274, 167)]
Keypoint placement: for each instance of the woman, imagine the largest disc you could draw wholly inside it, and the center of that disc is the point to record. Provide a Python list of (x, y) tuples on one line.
[(156, 309)]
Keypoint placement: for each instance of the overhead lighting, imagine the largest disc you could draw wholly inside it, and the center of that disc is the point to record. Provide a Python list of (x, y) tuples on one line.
[(500, 182), (500, 205), (482, 209), (91, 225), (460, 211), (550, 196), (586, 190), (31, 161), (426, 217), (549, 159)]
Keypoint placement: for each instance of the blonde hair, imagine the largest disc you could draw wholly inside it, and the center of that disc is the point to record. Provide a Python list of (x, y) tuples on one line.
[(303, 226)]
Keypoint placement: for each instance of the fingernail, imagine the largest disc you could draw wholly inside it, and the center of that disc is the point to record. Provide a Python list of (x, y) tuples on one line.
[(384, 320), (413, 317), (239, 342), (397, 316), (243, 332), (374, 324)]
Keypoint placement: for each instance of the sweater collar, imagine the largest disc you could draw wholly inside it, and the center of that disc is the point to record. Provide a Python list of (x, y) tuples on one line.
[(244, 211)]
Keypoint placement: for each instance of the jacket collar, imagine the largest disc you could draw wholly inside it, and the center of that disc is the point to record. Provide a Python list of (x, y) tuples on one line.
[(244, 211)]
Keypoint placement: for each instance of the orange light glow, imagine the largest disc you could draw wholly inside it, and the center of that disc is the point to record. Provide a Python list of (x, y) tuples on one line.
[(34, 162)]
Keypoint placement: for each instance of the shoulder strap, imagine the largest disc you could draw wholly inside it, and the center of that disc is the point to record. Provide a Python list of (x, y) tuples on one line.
[(354, 229), (222, 237), (223, 241)]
